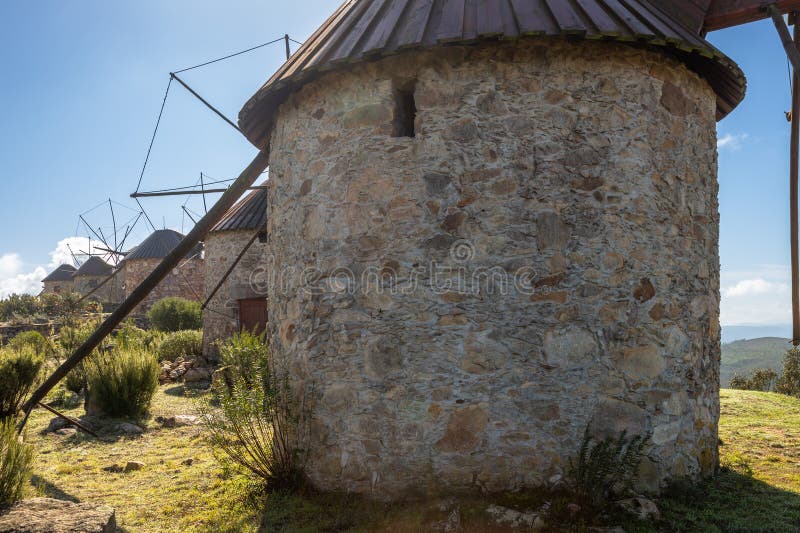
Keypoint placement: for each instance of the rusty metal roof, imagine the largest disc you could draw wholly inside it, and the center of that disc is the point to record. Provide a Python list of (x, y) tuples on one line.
[(94, 266), (62, 273), (362, 30), (249, 213), (160, 243)]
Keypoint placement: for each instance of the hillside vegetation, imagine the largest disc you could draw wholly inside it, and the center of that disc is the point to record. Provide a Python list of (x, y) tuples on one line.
[(743, 356)]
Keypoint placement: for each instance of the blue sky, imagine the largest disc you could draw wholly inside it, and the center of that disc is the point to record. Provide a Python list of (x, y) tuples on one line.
[(82, 83)]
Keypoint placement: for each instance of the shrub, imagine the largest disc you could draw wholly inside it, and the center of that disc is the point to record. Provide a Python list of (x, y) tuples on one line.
[(122, 382), (789, 382), (70, 338), (260, 424), (762, 379), (18, 305), (18, 372), (131, 337), (36, 341), (176, 314), (180, 344), (16, 459), (605, 469)]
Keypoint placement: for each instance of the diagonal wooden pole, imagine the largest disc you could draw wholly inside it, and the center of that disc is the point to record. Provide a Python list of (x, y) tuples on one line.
[(793, 208), (793, 53), (198, 233)]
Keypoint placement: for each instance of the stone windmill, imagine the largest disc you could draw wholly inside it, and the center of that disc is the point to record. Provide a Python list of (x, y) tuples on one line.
[(499, 222), (426, 154)]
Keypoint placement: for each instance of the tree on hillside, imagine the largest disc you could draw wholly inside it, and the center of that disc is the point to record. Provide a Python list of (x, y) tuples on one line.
[(789, 382)]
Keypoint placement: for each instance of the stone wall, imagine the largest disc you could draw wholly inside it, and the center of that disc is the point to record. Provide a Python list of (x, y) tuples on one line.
[(58, 287), (247, 280), (110, 294), (185, 281), (583, 172)]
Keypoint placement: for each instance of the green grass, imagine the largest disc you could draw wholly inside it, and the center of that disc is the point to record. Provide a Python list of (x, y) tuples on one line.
[(166, 495), (758, 489)]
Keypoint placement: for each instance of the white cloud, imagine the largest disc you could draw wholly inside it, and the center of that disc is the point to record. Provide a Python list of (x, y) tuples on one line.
[(29, 283), (15, 279), (748, 287), (62, 254), (758, 297), (10, 265), (731, 141)]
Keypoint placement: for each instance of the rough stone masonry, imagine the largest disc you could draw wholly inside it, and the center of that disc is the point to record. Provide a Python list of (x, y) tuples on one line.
[(591, 168)]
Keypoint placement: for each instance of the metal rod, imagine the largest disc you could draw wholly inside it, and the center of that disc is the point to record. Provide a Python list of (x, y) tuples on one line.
[(113, 222), (188, 213), (203, 189), (211, 107), (245, 179), (70, 420), (183, 193), (288, 50), (230, 269)]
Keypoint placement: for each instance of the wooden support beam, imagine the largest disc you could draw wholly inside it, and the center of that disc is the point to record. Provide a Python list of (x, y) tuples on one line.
[(245, 180), (727, 13), (786, 38), (70, 420), (794, 157)]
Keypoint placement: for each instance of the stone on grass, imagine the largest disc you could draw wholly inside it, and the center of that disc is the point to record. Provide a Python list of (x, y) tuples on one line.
[(178, 420), (509, 517), (129, 429), (39, 515), (195, 375), (132, 466), (641, 508), (55, 424), (66, 432)]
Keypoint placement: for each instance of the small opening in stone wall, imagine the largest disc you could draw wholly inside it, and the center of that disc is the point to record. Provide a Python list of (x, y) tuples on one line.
[(405, 110)]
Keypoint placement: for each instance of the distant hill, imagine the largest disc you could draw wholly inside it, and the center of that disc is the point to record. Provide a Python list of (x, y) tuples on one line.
[(735, 333), (742, 356)]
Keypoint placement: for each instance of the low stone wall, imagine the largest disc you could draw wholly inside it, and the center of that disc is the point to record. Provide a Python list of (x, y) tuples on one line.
[(8, 332)]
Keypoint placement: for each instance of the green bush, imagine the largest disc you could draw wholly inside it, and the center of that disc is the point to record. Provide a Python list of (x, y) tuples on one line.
[(260, 424), (605, 470), (761, 379), (789, 382), (18, 372), (130, 336), (122, 382), (69, 339), (35, 340), (18, 306), (16, 460), (176, 314), (180, 344)]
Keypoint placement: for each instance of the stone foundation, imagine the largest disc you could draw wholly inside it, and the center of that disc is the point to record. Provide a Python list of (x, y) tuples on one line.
[(573, 186)]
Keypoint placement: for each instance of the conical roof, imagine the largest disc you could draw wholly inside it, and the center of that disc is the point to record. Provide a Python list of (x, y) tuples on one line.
[(363, 30), (62, 273), (249, 213), (94, 266), (159, 244)]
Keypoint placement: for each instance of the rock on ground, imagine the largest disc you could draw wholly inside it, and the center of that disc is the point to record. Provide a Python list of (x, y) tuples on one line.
[(40, 515), (641, 508)]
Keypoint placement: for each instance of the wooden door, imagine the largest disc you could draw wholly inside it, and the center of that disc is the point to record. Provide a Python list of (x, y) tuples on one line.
[(253, 314)]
